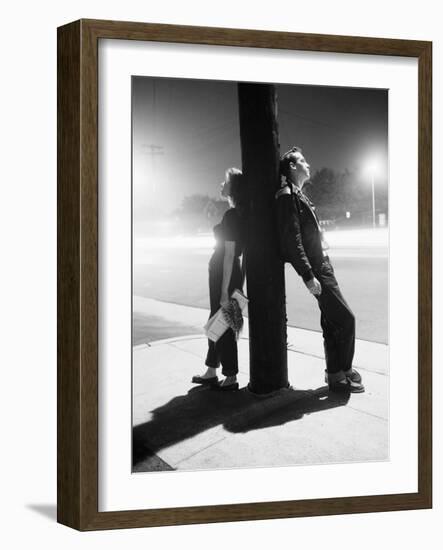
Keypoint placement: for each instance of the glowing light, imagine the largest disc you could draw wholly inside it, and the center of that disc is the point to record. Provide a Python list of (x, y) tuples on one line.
[(373, 166), (203, 241), (358, 238)]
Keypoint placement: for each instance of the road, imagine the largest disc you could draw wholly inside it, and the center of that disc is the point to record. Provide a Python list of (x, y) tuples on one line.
[(178, 273)]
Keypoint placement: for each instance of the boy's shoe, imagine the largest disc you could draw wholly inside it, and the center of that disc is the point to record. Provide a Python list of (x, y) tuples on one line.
[(353, 376)]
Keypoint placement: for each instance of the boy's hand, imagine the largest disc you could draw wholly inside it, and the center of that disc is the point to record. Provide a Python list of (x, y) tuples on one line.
[(314, 286)]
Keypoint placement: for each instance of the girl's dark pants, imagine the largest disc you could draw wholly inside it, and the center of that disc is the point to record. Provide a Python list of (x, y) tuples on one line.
[(223, 351), (337, 322)]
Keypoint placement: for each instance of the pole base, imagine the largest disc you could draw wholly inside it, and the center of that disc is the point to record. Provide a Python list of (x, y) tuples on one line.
[(271, 393)]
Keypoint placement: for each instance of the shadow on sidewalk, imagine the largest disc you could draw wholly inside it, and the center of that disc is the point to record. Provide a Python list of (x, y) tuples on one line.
[(238, 412)]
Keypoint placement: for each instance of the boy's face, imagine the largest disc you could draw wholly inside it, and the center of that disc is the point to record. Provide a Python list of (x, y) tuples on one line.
[(301, 168)]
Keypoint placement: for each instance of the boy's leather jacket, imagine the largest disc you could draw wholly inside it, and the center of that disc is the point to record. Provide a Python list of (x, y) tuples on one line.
[(300, 236)]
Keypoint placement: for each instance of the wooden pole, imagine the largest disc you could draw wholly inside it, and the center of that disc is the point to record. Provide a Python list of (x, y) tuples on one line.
[(264, 268)]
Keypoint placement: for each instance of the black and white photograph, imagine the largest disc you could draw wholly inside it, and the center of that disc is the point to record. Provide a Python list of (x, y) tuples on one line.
[(260, 275), (222, 235)]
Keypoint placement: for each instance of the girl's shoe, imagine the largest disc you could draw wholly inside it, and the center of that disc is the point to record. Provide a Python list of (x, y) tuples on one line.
[(197, 379)]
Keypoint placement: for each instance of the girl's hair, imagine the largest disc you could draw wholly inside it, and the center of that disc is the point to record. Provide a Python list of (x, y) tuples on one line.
[(238, 188)]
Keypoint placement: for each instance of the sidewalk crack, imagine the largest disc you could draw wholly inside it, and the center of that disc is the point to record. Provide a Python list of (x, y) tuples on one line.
[(199, 451), (367, 413)]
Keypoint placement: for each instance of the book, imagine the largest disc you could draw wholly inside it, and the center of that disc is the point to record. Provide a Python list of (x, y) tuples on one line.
[(217, 324)]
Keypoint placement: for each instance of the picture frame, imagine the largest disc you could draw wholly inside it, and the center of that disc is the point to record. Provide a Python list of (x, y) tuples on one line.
[(77, 275)]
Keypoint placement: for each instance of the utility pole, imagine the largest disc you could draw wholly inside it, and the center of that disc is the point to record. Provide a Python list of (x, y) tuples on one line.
[(264, 268), (154, 151)]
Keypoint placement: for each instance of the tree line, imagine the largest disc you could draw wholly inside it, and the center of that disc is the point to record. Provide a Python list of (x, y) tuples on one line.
[(341, 199), (345, 198)]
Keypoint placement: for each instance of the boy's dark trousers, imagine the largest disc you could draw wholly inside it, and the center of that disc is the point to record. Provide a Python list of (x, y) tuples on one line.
[(337, 322)]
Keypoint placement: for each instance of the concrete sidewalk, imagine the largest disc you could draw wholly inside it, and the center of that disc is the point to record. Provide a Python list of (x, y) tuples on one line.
[(182, 426)]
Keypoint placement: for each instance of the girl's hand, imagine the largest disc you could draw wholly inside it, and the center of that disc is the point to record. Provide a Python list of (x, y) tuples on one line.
[(224, 300)]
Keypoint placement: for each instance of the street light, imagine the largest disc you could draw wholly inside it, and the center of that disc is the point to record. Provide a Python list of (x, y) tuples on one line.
[(372, 168)]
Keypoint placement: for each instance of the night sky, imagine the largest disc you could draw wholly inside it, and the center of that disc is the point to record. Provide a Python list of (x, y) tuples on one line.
[(186, 133)]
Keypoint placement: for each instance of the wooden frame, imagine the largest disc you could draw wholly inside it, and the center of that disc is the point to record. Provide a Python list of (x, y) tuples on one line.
[(78, 282)]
